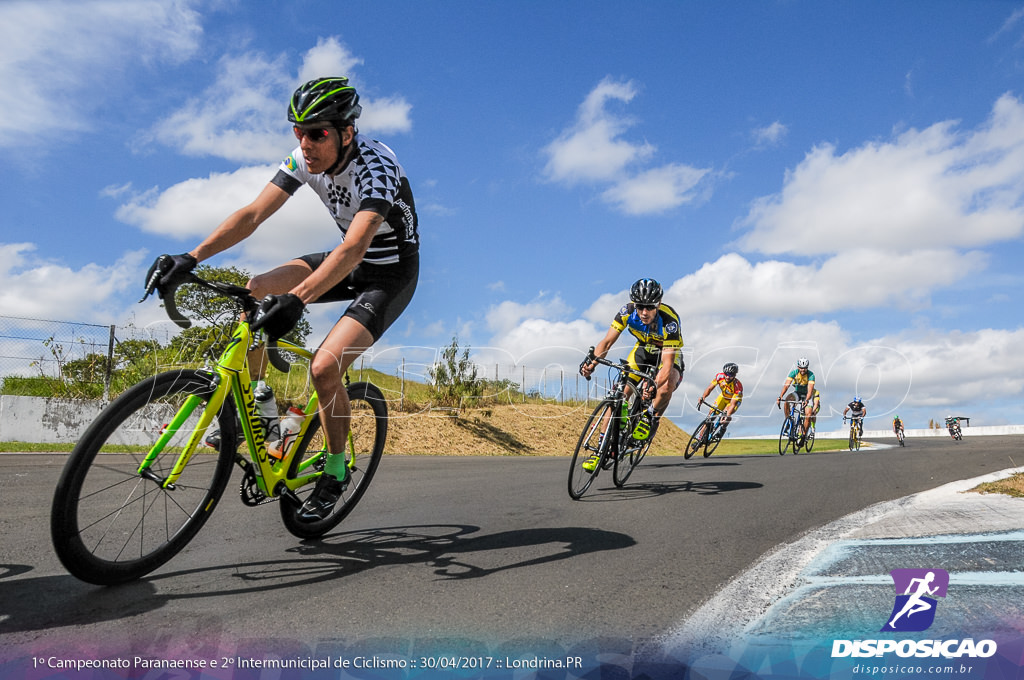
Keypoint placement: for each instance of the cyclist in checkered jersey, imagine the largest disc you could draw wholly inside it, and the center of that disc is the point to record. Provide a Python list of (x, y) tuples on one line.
[(376, 265)]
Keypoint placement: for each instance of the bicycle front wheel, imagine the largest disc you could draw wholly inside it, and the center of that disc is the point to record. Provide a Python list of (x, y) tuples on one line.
[(854, 441), (785, 436), (368, 430), (593, 443), (110, 522), (715, 439), (696, 440)]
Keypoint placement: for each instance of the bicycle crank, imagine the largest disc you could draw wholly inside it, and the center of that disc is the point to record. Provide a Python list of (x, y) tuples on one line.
[(249, 490)]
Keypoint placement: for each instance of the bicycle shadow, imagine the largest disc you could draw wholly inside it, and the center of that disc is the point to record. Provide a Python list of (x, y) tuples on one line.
[(451, 552), (639, 490)]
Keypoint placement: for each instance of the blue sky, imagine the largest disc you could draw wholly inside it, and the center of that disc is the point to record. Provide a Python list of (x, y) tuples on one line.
[(842, 180)]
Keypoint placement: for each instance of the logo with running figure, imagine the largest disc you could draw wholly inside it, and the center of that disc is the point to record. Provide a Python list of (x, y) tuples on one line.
[(916, 590)]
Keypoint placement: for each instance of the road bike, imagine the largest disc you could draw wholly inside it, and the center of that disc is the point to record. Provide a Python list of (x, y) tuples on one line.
[(792, 432), (855, 435), (140, 483), (708, 435), (611, 430), (900, 436)]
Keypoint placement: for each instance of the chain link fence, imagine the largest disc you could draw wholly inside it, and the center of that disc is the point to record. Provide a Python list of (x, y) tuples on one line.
[(41, 357), (44, 357)]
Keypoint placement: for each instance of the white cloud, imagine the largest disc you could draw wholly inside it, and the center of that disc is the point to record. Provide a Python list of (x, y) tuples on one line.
[(770, 135), (655, 190), (37, 287), (924, 189), (856, 279), (77, 48), (592, 150), (241, 116), (189, 211)]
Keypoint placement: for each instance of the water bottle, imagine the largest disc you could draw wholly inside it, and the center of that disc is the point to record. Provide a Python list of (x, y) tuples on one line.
[(290, 426), (266, 406)]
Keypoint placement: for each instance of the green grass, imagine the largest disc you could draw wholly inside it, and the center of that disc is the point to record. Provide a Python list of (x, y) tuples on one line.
[(765, 447)]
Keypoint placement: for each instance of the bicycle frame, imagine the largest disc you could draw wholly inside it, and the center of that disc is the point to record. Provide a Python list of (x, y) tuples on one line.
[(232, 376)]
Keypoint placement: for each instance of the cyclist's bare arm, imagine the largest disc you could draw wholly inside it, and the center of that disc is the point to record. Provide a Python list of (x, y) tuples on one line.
[(785, 387), (242, 223), (601, 351), (343, 259)]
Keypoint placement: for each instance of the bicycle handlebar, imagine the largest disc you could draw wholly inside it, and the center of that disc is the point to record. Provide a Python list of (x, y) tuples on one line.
[(623, 365), (240, 293)]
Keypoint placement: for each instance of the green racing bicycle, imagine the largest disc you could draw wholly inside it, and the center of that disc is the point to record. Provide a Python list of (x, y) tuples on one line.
[(140, 483)]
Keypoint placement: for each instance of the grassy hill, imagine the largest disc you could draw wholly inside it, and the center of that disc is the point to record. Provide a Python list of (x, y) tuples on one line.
[(505, 430)]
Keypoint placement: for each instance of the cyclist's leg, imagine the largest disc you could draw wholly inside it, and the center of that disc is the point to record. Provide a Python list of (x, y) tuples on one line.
[(787, 403)]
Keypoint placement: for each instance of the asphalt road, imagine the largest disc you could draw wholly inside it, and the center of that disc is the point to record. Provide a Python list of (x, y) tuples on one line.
[(483, 554)]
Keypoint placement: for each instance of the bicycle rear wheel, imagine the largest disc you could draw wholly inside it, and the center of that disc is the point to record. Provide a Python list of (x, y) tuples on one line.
[(369, 430), (631, 451), (809, 441), (592, 442), (697, 439), (111, 524)]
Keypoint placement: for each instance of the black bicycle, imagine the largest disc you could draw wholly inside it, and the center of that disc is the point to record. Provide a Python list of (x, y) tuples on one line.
[(615, 435), (708, 435)]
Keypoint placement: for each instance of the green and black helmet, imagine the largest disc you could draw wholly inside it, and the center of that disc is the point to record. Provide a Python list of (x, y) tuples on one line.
[(325, 100)]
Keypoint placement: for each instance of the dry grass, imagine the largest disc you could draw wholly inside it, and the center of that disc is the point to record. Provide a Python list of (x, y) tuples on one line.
[(505, 430), (1011, 486)]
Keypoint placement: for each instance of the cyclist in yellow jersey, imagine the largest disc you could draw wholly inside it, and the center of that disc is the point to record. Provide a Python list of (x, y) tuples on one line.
[(732, 392), (655, 325), (897, 424), (802, 381)]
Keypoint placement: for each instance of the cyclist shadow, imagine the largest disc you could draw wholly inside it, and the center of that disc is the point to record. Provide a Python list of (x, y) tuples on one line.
[(639, 490), (461, 554), (452, 552)]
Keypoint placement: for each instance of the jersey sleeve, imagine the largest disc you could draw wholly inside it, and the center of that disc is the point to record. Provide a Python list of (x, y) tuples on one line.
[(620, 320), (292, 173), (379, 179)]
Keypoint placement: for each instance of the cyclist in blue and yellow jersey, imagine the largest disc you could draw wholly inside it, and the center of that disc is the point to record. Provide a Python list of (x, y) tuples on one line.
[(802, 380), (659, 340), (375, 265), (732, 392), (857, 410)]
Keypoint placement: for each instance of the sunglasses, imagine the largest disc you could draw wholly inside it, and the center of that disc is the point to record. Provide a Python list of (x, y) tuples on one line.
[(314, 134), (647, 307)]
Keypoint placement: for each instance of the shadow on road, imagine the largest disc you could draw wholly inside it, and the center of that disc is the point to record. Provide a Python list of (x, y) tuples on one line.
[(450, 551)]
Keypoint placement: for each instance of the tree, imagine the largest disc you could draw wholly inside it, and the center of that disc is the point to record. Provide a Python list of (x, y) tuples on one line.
[(455, 376), (217, 316)]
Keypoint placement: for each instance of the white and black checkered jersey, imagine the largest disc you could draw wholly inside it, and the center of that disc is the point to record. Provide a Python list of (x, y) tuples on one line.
[(372, 180)]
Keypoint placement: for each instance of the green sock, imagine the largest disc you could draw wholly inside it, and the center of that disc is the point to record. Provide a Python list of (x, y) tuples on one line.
[(336, 466)]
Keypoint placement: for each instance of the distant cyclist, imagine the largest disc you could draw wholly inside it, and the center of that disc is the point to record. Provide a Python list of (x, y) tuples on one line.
[(802, 381), (953, 425), (655, 326), (897, 425), (728, 402), (857, 411)]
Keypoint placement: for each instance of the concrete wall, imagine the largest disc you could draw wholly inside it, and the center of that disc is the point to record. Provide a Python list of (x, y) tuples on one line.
[(45, 420)]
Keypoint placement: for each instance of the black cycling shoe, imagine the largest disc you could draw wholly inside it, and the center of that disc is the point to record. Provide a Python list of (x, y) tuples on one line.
[(323, 499)]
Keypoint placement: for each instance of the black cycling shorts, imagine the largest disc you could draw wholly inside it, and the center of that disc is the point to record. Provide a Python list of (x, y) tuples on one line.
[(379, 293)]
